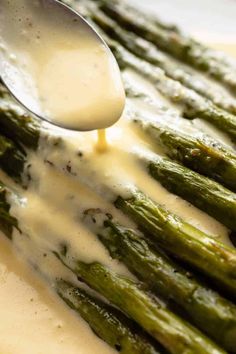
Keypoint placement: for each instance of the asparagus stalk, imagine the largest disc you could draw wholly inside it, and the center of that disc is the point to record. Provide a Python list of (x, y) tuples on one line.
[(192, 104), (147, 51), (174, 43), (109, 324), (183, 240), (12, 158), (204, 193), (200, 153), (175, 334), (172, 282), (7, 222), (18, 125)]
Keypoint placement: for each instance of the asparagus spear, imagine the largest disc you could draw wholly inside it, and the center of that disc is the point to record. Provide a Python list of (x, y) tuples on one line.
[(183, 240), (204, 193), (174, 43), (176, 335), (192, 104), (201, 153), (172, 282), (17, 124), (146, 50), (12, 158), (109, 324)]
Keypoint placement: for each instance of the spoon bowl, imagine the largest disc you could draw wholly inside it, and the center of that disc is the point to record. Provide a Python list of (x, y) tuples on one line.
[(57, 66)]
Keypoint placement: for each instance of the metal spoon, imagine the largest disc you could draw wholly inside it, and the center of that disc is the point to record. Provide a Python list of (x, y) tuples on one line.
[(31, 31)]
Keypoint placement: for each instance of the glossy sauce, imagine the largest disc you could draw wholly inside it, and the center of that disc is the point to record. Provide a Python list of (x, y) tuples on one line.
[(64, 72)]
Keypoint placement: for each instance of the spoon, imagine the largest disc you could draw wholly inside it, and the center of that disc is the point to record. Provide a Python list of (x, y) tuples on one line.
[(57, 66)]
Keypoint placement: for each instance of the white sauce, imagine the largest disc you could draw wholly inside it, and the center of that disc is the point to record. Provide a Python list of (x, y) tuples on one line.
[(64, 72)]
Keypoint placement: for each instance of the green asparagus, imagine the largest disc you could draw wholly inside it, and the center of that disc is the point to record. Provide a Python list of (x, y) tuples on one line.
[(172, 282), (145, 50), (108, 323), (174, 43), (201, 191), (176, 335), (183, 240), (200, 153)]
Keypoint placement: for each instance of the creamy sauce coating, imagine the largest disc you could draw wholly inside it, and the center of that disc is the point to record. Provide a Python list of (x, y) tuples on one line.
[(34, 320), (64, 72)]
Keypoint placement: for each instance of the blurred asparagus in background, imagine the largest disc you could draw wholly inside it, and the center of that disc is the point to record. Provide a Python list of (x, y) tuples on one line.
[(173, 69), (173, 42)]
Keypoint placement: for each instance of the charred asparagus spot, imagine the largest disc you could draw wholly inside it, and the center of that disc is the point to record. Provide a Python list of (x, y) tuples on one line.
[(172, 282), (108, 323), (175, 334), (182, 240)]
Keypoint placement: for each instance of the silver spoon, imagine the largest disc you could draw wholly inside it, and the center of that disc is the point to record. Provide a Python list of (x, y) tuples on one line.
[(57, 66)]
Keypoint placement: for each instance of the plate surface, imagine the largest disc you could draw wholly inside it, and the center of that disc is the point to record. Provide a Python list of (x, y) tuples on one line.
[(212, 21)]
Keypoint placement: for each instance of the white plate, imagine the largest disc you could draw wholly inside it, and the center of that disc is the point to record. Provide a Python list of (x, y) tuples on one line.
[(209, 20)]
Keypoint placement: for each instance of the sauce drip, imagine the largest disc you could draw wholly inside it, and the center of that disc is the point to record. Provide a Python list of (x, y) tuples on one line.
[(102, 143)]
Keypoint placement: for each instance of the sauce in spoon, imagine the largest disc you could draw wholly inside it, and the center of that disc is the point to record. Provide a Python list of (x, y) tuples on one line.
[(57, 66)]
